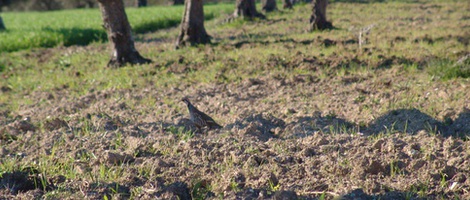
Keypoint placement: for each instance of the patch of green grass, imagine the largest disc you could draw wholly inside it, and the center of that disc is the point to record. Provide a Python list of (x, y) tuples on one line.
[(421, 189), (273, 187), (82, 27), (181, 133), (447, 70), (200, 190), (395, 170)]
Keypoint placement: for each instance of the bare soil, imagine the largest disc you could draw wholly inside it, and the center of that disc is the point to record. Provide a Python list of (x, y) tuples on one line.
[(285, 137)]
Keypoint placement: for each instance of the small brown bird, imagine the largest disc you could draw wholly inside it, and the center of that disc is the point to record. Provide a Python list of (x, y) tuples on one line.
[(199, 118)]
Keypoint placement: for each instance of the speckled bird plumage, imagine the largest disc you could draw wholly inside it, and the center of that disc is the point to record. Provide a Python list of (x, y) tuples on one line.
[(199, 118)]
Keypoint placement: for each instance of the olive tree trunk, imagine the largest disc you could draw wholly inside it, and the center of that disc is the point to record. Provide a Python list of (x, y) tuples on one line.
[(287, 4), (140, 3), (3, 3), (2, 26), (119, 34), (176, 2), (318, 17), (192, 25), (268, 5), (246, 9)]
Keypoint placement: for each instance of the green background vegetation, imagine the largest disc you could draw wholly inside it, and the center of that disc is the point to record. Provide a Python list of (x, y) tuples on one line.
[(80, 27)]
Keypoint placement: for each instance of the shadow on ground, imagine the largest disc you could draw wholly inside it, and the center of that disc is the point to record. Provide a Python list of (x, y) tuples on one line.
[(79, 36), (251, 193), (413, 120), (410, 121), (392, 195)]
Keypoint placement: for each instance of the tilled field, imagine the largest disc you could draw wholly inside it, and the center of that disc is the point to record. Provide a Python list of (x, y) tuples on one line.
[(302, 118)]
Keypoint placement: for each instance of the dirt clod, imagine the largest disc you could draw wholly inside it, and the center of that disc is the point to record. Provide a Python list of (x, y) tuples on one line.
[(285, 195), (116, 158)]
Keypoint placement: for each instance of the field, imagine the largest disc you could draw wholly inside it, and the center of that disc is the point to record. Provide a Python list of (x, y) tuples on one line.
[(377, 108), (84, 26)]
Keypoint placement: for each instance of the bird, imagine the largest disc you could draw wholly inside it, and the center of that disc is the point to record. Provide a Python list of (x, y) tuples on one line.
[(199, 118)]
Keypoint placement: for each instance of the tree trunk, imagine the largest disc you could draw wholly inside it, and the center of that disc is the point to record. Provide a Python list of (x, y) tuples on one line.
[(287, 4), (246, 9), (176, 2), (318, 17), (140, 3), (4, 3), (119, 34), (2, 26), (45, 5), (192, 25), (268, 5)]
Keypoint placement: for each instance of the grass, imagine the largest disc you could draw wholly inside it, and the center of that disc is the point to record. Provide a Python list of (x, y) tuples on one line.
[(448, 70), (82, 27), (346, 83)]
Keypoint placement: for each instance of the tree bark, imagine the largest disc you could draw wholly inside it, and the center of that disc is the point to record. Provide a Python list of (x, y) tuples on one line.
[(2, 26), (246, 9), (176, 2), (140, 3), (287, 4), (268, 5), (318, 17), (119, 34), (192, 25), (4, 3), (45, 5)]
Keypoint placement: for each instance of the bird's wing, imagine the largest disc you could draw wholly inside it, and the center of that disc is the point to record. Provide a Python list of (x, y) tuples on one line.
[(206, 117), (210, 122)]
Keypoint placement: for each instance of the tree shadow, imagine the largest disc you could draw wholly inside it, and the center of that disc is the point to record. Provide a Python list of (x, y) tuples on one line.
[(24, 180), (261, 40), (151, 26), (389, 195), (260, 126), (405, 121), (410, 121), (254, 36), (279, 41), (266, 126), (101, 190), (259, 193), (460, 127), (78, 36), (387, 63), (182, 125), (413, 120), (372, 1), (328, 124), (358, 1)]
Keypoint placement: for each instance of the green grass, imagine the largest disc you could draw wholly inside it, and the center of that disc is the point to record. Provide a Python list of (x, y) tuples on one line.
[(81, 27), (341, 81), (447, 70)]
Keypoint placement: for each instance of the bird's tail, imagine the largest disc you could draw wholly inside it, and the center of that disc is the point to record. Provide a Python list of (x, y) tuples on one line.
[(215, 126)]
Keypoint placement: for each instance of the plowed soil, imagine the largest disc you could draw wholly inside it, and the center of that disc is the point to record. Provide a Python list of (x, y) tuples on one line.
[(318, 132)]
